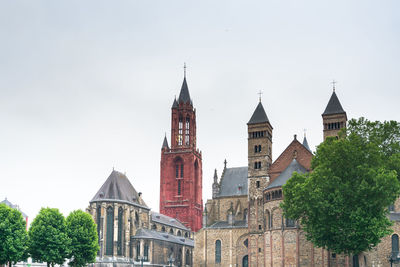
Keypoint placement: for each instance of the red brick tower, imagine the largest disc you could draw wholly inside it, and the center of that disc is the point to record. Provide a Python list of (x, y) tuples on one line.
[(181, 166)]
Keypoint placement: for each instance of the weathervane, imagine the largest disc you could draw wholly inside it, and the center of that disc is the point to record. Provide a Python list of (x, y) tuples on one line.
[(260, 93), (334, 84)]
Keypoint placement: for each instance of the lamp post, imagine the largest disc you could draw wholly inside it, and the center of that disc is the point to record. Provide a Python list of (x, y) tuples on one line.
[(170, 260)]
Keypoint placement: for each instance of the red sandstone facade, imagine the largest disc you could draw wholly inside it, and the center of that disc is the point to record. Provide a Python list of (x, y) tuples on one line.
[(181, 166)]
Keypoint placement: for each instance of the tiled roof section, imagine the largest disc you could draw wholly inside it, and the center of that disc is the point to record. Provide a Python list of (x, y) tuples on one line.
[(165, 143), (294, 166), (8, 203), (184, 95), (225, 224), (117, 187), (143, 233), (305, 143), (164, 219), (334, 106), (259, 115), (234, 182)]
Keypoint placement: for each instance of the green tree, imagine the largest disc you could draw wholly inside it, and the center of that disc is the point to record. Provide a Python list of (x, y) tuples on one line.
[(13, 236), (82, 232), (48, 239), (342, 204)]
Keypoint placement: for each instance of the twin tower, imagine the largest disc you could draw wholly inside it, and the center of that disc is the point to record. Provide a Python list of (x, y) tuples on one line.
[(181, 164)]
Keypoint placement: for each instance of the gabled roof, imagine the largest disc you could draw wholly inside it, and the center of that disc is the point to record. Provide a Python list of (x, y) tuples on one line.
[(165, 143), (143, 233), (118, 188), (184, 95), (233, 182), (334, 106), (259, 115), (305, 143), (164, 219), (294, 166)]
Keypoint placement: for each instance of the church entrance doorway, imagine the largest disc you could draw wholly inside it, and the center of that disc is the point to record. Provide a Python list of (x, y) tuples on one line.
[(245, 261)]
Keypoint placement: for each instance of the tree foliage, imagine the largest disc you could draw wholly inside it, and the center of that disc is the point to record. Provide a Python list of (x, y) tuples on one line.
[(13, 236), (342, 204), (82, 232), (48, 239)]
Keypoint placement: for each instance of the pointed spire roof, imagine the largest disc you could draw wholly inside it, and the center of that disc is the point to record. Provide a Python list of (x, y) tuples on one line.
[(184, 95), (305, 143), (175, 104), (259, 115), (215, 176), (334, 106), (165, 143)]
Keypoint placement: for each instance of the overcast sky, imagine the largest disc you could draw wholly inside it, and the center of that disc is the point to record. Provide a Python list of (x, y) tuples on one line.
[(86, 86)]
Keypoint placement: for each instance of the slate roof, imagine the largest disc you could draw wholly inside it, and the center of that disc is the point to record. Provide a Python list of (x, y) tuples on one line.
[(11, 205), (334, 106), (294, 166), (175, 104), (144, 233), (165, 143), (225, 224), (305, 143), (259, 115), (231, 180), (184, 95), (117, 187), (164, 219)]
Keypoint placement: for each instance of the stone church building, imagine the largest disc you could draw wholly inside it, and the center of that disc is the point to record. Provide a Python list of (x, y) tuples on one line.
[(243, 224)]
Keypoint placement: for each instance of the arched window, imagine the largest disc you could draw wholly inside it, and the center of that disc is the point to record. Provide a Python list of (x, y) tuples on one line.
[(120, 231), (290, 222), (187, 131), (171, 231), (163, 229), (179, 233), (98, 214), (218, 251), (137, 251), (186, 234), (154, 227), (110, 231), (180, 133), (136, 219), (188, 258), (245, 214), (146, 252), (395, 246), (179, 187)]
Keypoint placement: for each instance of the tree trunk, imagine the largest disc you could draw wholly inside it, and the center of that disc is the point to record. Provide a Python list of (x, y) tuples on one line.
[(9, 264)]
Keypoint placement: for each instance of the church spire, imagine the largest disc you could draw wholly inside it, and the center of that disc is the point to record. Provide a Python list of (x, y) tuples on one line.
[(165, 143), (259, 115), (305, 143), (184, 95), (334, 106)]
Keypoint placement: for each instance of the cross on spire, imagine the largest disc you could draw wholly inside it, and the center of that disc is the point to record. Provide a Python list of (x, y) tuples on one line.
[(260, 93), (305, 131), (334, 84), (184, 69)]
